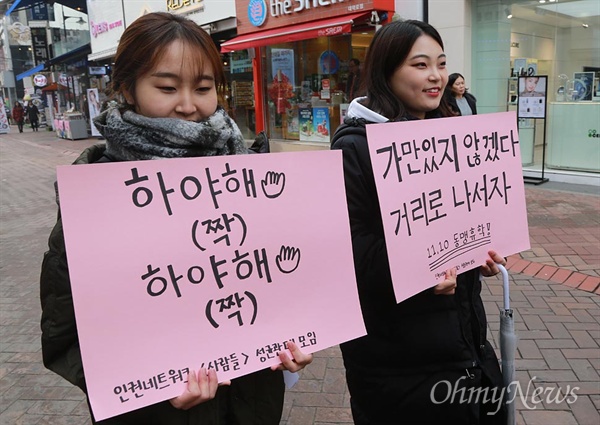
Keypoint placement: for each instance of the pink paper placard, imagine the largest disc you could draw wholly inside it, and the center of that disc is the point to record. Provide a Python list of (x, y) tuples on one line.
[(450, 190), (218, 261)]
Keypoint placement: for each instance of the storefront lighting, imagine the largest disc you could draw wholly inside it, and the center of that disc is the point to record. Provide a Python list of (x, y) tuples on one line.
[(507, 12), (542, 1)]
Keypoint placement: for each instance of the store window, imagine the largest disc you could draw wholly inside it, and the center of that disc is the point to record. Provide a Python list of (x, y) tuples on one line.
[(240, 91), (557, 39), (307, 85)]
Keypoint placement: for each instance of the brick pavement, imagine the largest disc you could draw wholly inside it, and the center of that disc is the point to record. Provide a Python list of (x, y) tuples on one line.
[(554, 290)]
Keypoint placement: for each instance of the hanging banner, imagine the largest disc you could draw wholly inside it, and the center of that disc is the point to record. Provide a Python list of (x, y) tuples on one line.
[(450, 190), (39, 41), (204, 262)]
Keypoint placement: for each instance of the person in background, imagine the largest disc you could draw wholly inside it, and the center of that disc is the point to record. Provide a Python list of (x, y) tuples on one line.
[(33, 115), (18, 114), (168, 82), (353, 83), (462, 102), (399, 373)]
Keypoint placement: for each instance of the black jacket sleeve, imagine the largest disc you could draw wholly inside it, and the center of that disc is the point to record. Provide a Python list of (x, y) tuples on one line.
[(368, 242), (60, 342)]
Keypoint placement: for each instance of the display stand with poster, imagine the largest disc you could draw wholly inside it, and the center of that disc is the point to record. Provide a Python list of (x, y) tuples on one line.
[(94, 108), (4, 126), (532, 101)]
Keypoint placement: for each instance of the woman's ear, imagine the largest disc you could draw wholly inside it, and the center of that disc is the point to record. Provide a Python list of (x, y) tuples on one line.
[(128, 97)]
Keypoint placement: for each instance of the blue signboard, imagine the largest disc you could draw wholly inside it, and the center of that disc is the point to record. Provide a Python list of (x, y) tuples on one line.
[(257, 12)]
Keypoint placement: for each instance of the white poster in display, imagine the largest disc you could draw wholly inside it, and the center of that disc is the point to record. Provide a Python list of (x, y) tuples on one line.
[(94, 109), (283, 60), (532, 96)]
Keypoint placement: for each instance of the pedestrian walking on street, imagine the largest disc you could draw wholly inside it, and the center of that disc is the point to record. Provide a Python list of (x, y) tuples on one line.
[(168, 82), (18, 114), (419, 353), (33, 115), (460, 100)]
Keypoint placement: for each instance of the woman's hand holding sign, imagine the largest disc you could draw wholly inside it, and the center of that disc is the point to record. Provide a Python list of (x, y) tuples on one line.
[(201, 387), (490, 268), (448, 286), (298, 362)]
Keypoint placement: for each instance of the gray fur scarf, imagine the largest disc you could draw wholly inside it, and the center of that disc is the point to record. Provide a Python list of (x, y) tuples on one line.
[(130, 136)]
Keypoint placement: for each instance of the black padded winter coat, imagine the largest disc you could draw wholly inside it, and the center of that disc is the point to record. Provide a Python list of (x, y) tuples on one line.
[(412, 345)]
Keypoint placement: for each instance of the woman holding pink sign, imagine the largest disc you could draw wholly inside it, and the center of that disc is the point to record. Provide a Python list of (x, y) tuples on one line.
[(168, 83), (433, 343)]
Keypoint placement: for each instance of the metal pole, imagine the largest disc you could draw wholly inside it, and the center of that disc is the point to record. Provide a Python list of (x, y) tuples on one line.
[(62, 9)]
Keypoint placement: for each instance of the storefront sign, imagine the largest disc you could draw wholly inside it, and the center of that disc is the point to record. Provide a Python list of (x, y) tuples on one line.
[(204, 249), (185, 6), (104, 37), (19, 34), (104, 26), (287, 7), (240, 65), (39, 42), (257, 12), (97, 70), (39, 12), (259, 15), (329, 63), (40, 80)]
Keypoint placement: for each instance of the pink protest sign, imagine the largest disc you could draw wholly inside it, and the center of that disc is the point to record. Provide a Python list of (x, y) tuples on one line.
[(213, 262), (450, 190)]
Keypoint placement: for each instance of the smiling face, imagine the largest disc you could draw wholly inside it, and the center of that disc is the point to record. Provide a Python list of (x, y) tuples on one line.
[(420, 81), (458, 88), (175, 87)]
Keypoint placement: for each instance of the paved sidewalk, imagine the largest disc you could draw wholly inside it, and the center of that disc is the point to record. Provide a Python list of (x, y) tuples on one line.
[(554, 290)]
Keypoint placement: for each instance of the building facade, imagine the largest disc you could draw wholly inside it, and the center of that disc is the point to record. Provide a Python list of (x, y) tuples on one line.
[(288, 63)]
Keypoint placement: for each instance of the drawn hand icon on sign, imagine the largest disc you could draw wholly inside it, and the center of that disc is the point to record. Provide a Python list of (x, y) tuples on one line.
[(288, 259)]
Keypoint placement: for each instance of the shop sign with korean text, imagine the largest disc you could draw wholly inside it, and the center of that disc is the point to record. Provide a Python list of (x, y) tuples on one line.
[(450, 190), (204, 262)]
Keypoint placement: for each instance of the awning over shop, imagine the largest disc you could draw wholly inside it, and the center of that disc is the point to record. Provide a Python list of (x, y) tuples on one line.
[(323, 28), (82, 50), (104, 54), (30, 72), (54, 87)]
